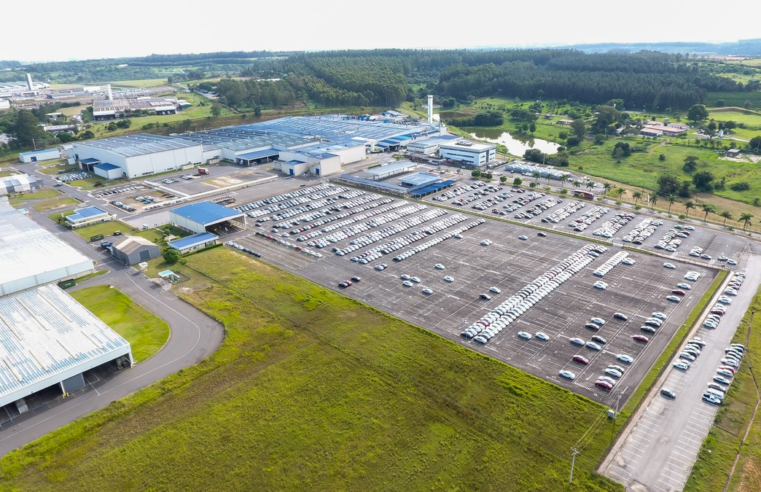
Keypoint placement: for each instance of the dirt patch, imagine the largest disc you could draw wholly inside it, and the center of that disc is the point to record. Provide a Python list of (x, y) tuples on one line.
[(232, 179), (751, 476)]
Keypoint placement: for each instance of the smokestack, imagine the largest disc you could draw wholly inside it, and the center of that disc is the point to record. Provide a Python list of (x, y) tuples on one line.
[(29, 83), (430, 109), (110, 94)]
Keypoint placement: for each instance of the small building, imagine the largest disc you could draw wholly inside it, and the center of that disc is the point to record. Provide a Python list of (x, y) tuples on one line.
[(39, 155), (108, 171), (650, 132), (469, 153), (207, 217), (388, 170), (18, 183), (194, 242), (87, 216), (730, 153), (565, 122), (5, 104), (134, 249)]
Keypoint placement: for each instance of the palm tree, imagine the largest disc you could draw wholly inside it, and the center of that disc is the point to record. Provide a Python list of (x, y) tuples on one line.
[(708, 209), (619, 192), (563, 179), (727, 215), (690, 204), (637, 195), (576, 183), (653, 199), (536, 175), (606, 188), (590, 184), (671, 199), (745, 218)]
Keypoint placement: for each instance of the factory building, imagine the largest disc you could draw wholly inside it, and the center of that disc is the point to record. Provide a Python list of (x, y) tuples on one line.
[(18, 183), (39, 155), (207, 217), (83, 217), (192, 243), (32, 256), (50, 339), (132, 250), (141, 155), (469, 153)]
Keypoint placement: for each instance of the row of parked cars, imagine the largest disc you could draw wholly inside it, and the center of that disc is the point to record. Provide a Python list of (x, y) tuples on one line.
[(243, 248), (611, 263), (725, 373), (642, 231), (564, 212), (289, 244), (460, 190), (611, 226), (69, 177), (115, 191), (588, 218), (537, 209), (286, 200), (511, 309), (122, 206), (456, 233)]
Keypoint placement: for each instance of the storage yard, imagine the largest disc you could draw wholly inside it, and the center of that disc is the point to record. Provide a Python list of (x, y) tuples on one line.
[(489, 266)]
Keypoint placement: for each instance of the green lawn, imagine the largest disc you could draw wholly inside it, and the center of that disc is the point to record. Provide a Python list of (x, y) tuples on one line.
[(736, 98), (752, 119), (56, 203), (108, 228), (313, 390), (720, 447), (53, 170), (145, 332), (36, 195)]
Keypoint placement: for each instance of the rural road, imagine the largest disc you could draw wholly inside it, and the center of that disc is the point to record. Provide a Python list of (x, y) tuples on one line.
[(194, 336)]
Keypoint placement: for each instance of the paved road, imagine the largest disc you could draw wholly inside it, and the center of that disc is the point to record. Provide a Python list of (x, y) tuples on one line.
[(194, 336), (657, 450)]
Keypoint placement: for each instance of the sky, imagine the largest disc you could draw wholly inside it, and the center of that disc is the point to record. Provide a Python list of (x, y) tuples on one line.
[(87, 29)]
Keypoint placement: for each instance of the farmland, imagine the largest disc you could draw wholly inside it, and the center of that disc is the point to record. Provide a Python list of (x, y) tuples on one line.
[(320, 389)]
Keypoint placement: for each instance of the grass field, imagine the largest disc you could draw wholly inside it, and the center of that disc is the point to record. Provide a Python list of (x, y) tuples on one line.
[(314, 390), (35, 195), (56, 203), (145, 332), (752, 119), (720, 447), (53, 170), (108, 228), (735, 98)]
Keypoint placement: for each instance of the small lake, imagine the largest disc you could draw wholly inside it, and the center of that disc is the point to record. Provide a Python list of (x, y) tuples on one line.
[(516, 145)]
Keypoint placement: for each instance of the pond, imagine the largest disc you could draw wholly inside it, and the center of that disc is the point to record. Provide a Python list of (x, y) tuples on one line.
[(516, 145)]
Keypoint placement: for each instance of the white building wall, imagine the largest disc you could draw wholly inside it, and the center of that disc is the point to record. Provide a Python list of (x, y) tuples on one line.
[(351, 154), (64, 272), (329, 166), (42, 155), (184, 223)]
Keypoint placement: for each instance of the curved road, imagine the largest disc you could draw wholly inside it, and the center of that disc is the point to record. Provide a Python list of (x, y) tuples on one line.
[(193, 337)]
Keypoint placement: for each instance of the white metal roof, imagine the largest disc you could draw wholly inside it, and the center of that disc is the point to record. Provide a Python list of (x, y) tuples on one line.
[(139, 144), (45, 337), (30, 255)]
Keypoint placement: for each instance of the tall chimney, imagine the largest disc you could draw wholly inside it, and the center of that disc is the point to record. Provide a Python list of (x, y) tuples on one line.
[(29, 83), (430, 109), (110, 94)]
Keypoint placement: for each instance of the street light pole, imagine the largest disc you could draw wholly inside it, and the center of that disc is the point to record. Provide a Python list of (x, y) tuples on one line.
[(573, 463)]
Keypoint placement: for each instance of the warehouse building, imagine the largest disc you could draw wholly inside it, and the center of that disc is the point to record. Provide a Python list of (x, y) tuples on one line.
[(18, 183), (50, 339), (469, 153), (86, 216), (132, 250), (32, 256), (108, 171), (419, 179), (193, 243), (387, 170), (207, 217), (141, 155), (39, 155)]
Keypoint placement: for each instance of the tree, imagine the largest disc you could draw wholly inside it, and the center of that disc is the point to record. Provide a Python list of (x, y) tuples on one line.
[(606, 188), (653, 199), (579, 128), (576, 183), (532, 184), (671, 198), (727, 215), (475, 173), (707, 209), (619, 192), (257, 111), (745, 218), (532, 127), (606, 116), (618, 153), (536, 175), (590, 184), (697, 113), (503, 179), (171, 256), (684, 189), (755, 144), (517, 182), (747, 105), (65, 137), (667, 184), (688, 205), (637, 195), (25, 128), (702, 180), (690, 164), (216, 110)]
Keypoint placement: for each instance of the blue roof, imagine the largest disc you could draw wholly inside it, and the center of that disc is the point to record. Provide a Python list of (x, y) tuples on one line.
[(206, 212), (374, 184), (419, 179), (427, 190), (259, 154), (106, 166), (193, 240), (89, 160), (85, 213)]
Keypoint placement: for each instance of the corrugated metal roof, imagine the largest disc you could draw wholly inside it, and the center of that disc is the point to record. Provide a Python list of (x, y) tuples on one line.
[(130, 244), (190, 241), (206, 213), (259, 154), (391, 168), (85, 213), (107, 166), (139, 144), (43, 333)]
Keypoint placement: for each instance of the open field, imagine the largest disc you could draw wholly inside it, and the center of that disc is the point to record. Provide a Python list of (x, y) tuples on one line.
[(53, 169), (324, 391), (736, 98), (719, 449), (751, 118), (142, 83), (35, 195), (108, 228), (56, 203), (145, 332)]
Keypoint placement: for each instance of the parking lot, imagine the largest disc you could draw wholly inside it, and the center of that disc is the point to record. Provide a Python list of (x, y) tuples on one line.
[(508, 264)]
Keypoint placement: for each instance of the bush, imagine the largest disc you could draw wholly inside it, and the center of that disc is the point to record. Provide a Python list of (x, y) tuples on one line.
[(564, 191), (638, 207), (682, 216), (171, 256), (741, 186), (572, 142), (517, 181), (662, 157)]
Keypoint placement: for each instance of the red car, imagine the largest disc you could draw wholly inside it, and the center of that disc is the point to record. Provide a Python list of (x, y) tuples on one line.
[(604, 385), (679, 292), (718, 311), (580, 359), (727, 368), (640, 338)]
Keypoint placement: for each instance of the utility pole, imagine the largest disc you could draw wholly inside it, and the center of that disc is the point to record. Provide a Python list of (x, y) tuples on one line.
[(615, 417), (573, 462)]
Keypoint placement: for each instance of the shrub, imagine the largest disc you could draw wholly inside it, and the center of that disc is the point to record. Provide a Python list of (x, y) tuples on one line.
[(171, 256), (741, 186)]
